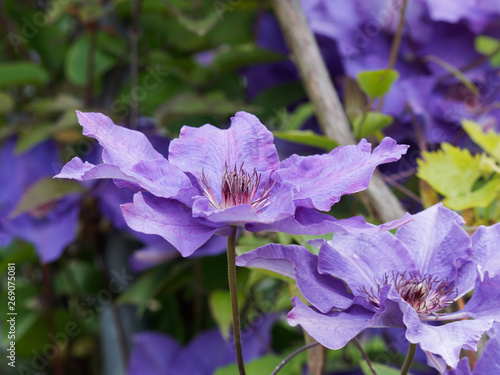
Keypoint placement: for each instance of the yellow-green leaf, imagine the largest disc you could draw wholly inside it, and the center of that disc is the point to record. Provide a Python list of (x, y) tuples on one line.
[(490, 141), (220, 307), (376, 83), (307, 137), (489, 46), (369, 123), (450, 171), (481, 197)]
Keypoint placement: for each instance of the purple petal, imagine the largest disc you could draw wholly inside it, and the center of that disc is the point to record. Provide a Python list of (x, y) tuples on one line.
[(156, 251), (153, 354), (50, 234), (334, 329), (463, 368), (445, 340), (295, 262), (322, 179), (484, 302), (312, 222), (169, 219), (489, 362), (117, 141), (364, 262), (208, 149), (485, 242), (158, 176), (203, 355), (437, 241), (448, 10), (280, 206), (144, 166)]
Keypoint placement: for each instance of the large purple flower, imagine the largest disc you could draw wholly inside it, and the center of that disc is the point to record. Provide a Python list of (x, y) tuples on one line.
[(217, 178), (401, 280)]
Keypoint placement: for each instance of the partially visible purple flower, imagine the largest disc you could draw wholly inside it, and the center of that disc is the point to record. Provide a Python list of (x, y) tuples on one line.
[(157, 354), (49, 228), (401, 281), (488, 363), (217, 178)]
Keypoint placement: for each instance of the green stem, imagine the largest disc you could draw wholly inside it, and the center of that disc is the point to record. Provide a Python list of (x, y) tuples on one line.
[(409, 359), (233, 291)]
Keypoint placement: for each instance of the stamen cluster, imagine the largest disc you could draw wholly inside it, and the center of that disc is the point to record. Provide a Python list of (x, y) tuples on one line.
[(426, 294), (239, 187)]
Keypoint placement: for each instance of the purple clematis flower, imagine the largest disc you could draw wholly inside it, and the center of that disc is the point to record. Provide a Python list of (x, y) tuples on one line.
[(401, 280), (217, 178), (155, 353), (51, 227)]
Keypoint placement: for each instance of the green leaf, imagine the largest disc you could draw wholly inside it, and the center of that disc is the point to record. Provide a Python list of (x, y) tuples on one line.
[(490, 141), (44, 192), (489, 46), (220, 307), (450, 171), (17, 252), (144, 288), (266, 365), (22, 73), (301, 114), (280, 96), (6, 103), (241, 56), (77, 278), (377, 83), (307, 137), (379, 368), (34, 135), (76, 61), (188, 104), (366, 125)]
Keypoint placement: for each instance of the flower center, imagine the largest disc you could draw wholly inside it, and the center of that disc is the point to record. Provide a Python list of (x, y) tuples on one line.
[(239, 187), (426, 294)]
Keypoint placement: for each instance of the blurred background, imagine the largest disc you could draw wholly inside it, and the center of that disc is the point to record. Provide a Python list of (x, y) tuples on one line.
[(94, 297)]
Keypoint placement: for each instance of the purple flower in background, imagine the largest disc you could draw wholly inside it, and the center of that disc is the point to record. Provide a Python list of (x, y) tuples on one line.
[(156, 354), (217, 178), (401, 281), (51, 227)]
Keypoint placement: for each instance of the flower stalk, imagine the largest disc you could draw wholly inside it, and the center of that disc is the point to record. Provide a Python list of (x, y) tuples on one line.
[(409, 358), (233, 292)]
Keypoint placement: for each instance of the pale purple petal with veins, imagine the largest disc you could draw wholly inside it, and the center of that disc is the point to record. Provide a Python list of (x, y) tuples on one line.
[(170, 219), (445, 340), (209, 149), (312, 222), (334, 329), (323, 291), (321, 180), (363, 261), (437, 241)]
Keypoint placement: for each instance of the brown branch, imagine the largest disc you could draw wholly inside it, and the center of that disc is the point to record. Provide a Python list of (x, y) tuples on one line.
[(327, 106), (134, 62)]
